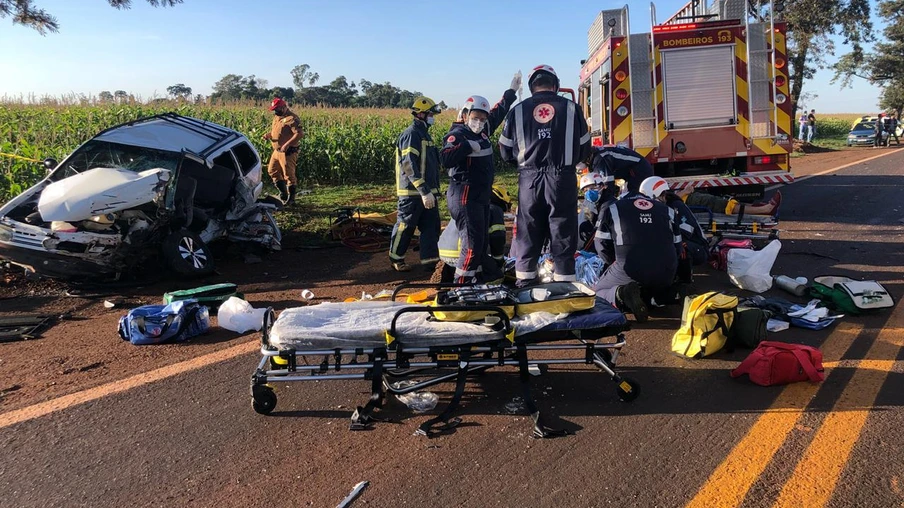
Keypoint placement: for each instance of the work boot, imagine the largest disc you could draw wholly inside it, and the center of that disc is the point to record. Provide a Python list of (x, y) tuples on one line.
[(400, 266), (291, 198), (627, 298), (283, 191)]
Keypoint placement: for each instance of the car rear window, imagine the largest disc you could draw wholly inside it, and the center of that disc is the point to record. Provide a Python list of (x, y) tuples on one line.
[(246, 156)]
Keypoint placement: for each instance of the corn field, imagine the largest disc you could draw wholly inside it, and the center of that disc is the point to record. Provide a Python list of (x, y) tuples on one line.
[(340, 147)]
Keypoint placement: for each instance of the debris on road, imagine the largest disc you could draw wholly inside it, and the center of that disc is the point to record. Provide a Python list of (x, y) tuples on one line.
[(359, 488)]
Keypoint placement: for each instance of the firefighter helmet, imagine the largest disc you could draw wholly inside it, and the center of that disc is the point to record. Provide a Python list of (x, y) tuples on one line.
[(588, 180), (653, 187), (500, 194), (475, 103), (542, 69), (424, 105)]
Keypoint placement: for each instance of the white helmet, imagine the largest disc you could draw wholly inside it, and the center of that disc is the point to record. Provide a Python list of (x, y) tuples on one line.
[(542, 69), (589, 179), (475, 102), (653, 187)]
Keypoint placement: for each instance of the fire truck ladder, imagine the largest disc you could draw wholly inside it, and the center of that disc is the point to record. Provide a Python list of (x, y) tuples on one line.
[(644, 133), (763, 113)]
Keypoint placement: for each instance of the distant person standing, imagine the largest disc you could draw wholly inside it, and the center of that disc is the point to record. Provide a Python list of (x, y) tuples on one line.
[(811, 126), (879, 128), (802, 127), (891, 124), (285, 134)]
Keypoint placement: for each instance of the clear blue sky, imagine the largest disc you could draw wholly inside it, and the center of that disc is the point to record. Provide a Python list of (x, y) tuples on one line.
[(446, 50)]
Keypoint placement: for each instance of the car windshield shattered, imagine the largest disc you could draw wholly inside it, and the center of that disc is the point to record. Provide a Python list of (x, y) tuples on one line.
[(104, 154)]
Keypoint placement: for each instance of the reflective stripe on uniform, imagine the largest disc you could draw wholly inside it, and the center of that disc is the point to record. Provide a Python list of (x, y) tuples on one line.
[(569, 133), (408, 192), (428, 261), (410, 150), (465, 273), (616, 221), (603, 236), (671, 213), (506, 141), (564, 278), (395, 245), (424, 146), (585, 138), (418, 182), (482, 153), (525, 275), (498, 258), (616, 155), (687, 227), (451, 254), (519, 133), (496, 228), (677, 239)]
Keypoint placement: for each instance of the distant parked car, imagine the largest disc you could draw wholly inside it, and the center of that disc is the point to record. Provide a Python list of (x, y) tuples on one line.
[(864, 134), (158, 188)]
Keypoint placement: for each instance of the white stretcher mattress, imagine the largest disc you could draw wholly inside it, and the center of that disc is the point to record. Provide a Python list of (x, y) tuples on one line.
[(363, 324)]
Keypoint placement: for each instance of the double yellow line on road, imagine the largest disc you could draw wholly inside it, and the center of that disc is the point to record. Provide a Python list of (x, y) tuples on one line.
[(817, 473)]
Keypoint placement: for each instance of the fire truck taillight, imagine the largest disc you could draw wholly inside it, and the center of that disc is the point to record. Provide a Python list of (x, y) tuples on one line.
[(779, 63), (769, 159), (780, 98), (622, 111), (779, 81), (621, 94), (620, 76)]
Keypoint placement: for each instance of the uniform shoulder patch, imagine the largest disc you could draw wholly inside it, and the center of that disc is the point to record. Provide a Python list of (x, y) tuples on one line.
[(450, 139), (543, 113), (643, 204)]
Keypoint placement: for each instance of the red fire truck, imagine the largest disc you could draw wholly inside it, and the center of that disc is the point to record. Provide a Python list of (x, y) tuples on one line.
[(703, 96)]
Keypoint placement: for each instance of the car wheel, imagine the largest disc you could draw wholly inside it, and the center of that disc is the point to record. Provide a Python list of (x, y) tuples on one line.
[(186, 254)]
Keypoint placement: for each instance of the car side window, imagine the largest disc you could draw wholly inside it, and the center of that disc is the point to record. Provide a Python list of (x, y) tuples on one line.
[(226, 160), (246, 156)]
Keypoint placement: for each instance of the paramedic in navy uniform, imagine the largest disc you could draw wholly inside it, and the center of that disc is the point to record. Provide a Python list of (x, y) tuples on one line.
[(546, 135)]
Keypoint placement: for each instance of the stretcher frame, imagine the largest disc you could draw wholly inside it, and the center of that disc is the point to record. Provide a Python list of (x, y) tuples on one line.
[(453, 363), (736, 227)]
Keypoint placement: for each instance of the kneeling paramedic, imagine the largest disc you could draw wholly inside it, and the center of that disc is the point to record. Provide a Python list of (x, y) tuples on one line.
[(492, 267), (546, 134), (695, 245), (417, 186), (640, 242), (622, 164), (467, 153)]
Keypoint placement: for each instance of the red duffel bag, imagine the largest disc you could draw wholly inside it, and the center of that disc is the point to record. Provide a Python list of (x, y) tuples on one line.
[(779, 363)]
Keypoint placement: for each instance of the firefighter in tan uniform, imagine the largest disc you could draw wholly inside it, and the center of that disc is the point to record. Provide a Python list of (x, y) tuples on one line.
[(285, 134)]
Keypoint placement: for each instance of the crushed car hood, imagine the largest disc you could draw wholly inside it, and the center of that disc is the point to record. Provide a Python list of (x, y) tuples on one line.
[(98, 191)]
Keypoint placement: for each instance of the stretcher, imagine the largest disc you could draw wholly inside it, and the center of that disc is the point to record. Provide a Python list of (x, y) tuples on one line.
[(736, 227), (382, 341)]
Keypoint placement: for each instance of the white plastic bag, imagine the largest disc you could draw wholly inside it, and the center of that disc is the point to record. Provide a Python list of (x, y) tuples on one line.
[(749, 269), (237, 315)]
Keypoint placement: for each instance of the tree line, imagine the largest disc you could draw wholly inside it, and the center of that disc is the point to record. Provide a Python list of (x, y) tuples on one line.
[(339, 92)]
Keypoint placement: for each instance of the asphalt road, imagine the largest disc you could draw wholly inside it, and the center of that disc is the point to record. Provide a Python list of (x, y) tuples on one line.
[(695, 436)]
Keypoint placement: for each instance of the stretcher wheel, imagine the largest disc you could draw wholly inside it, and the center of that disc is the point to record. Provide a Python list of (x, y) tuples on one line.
[(627, 389), (263, 399)]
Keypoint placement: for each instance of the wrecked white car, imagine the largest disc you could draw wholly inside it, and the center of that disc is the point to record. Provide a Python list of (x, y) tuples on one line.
[(159, 188)]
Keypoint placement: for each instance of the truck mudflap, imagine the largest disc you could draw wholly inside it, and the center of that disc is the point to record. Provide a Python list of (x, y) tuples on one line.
[(702, 182)]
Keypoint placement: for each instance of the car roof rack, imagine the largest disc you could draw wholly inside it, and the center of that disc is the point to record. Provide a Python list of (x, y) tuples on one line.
[(217, 134)]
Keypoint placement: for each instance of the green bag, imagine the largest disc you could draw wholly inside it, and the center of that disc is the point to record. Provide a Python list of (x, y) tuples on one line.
[(749, 327), (211, 296)]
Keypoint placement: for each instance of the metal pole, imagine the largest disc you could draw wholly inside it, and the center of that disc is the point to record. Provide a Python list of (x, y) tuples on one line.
[(772, 71)]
